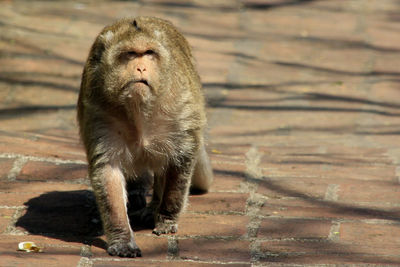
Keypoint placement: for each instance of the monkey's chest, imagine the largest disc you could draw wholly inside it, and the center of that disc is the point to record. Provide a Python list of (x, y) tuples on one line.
[(149, 144), (154, 151)]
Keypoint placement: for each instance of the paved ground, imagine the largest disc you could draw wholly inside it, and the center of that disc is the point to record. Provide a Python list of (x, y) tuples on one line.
[(304, 112)]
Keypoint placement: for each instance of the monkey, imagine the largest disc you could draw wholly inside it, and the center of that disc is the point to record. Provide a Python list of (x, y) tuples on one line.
[(142, 120)]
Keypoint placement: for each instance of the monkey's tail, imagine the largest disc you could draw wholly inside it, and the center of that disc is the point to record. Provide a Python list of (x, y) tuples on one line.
[(202, 174)]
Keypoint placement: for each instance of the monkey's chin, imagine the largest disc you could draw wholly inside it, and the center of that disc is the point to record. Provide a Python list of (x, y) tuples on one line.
[(139, 90)]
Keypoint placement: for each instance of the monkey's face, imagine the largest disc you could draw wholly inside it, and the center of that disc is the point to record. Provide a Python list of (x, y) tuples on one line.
[(137, 65), (133, 63)]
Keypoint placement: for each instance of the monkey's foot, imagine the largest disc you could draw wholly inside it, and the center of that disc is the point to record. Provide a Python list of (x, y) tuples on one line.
[(124, 249), (165, 226), (143, 217)]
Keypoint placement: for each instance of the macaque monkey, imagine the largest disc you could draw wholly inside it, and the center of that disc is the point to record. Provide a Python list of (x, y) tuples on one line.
[(141, 116)]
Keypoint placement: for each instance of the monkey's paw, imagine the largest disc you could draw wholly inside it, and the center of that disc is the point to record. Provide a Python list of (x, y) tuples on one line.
[(123, 249), (166, 227)]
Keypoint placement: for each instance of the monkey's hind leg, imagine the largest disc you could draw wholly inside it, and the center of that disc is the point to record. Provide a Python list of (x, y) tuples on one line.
[(140, 213), (146, 216), (108, 184), (202, 175), (137, 189)]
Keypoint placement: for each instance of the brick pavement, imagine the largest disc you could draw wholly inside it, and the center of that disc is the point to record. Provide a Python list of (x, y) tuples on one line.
[(304, 123)]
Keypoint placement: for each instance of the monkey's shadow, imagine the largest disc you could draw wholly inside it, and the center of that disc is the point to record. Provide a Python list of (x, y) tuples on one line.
[(66, 215), (72, 216)]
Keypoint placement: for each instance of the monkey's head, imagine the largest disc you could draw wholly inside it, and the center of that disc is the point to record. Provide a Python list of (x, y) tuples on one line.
[(138, 59)]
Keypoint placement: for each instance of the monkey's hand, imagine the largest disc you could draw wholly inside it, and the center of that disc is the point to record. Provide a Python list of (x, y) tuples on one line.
[(124, 249), (165, 226)]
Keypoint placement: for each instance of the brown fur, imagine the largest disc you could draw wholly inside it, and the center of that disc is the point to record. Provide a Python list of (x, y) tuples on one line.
[(141, 115)]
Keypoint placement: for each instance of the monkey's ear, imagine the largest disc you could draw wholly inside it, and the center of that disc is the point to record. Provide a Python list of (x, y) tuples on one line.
[(134, 23), (96, 51)]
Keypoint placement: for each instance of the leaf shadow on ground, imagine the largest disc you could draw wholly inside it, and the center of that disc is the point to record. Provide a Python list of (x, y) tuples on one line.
[(277, 248), (251, 6)]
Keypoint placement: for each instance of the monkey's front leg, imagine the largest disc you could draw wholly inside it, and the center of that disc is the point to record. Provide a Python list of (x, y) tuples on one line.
[(108, 183), (174, 197)]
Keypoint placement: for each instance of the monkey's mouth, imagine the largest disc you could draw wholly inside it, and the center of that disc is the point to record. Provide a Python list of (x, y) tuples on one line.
[(138, 87), (142, 81)]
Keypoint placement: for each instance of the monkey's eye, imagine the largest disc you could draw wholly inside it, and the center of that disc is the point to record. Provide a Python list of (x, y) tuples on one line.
[(131, 54), (149, 52)]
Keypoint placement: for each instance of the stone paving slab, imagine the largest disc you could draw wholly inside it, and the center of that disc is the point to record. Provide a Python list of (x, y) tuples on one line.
[(304, 124)]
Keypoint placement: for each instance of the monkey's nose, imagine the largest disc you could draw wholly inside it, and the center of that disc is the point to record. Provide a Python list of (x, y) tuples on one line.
[(141, 69)]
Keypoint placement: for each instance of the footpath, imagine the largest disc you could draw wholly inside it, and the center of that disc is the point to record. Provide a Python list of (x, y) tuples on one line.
[(304, 122)]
